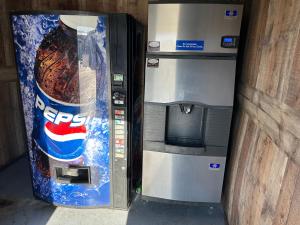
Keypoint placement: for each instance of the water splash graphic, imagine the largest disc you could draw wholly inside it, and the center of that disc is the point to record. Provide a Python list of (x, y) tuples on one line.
[(29, 31)]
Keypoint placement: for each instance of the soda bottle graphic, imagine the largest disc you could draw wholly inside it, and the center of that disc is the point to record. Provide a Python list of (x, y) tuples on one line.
[(65, 95)]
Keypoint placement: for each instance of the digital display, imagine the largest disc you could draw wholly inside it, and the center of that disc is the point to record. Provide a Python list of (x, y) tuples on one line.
[(228, 40), (118, 77)]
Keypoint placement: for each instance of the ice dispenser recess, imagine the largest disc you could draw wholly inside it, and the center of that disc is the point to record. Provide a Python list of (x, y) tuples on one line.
[(184, 125)]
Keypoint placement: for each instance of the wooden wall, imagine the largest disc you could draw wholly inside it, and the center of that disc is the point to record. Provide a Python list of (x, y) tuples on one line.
[(12, 143), (262, 184)]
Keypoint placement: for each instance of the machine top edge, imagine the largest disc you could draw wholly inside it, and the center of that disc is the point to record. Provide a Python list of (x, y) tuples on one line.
[(231, 2)]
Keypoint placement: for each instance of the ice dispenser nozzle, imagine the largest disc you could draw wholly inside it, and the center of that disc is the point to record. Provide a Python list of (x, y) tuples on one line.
[(186, 108)]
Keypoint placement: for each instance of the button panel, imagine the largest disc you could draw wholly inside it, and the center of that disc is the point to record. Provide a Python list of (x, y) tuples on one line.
[(119, 134), (119, 92)]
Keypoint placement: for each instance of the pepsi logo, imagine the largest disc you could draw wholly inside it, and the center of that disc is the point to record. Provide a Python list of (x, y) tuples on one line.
[(58, 117), (61, 130), (64, 132)]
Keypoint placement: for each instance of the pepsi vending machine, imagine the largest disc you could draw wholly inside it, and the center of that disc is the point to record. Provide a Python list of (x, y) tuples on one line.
[(81, 82)]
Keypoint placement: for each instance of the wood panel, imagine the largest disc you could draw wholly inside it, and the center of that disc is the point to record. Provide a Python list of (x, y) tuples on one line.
[(8, 74), (294, 213), (2, 51), (257, 20), (7, 44), (262, 184), (292, 98), (239, 130), (263, 181), (286, 194), (11, 121), (12, 143), (137, 8)]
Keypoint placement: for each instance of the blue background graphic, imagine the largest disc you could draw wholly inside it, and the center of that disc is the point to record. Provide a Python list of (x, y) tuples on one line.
[(29, 31)]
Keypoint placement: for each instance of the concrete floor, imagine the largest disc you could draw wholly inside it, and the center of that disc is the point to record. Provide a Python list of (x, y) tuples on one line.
[(18, 207)]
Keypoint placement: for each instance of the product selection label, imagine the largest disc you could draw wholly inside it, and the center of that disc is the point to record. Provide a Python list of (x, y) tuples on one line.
[(190, 45)]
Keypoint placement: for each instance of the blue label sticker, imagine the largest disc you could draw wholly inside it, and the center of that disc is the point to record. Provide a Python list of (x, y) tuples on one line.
[(214, 166), (191, 45), (231, 13)]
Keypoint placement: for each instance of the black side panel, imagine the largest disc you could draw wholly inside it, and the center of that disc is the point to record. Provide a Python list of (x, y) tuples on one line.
[(120, 113), (137, 58), (127, 48)]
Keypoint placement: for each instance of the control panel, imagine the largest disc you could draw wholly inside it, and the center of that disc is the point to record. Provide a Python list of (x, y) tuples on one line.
[(119, 91), (230, 42)]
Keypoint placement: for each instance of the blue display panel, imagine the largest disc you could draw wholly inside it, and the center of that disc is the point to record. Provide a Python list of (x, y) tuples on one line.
[(64, 86), (228, 40), (190, 45)]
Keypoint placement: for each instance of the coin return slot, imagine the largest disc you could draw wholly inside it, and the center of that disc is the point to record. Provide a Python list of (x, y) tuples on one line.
[(73, 175)]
